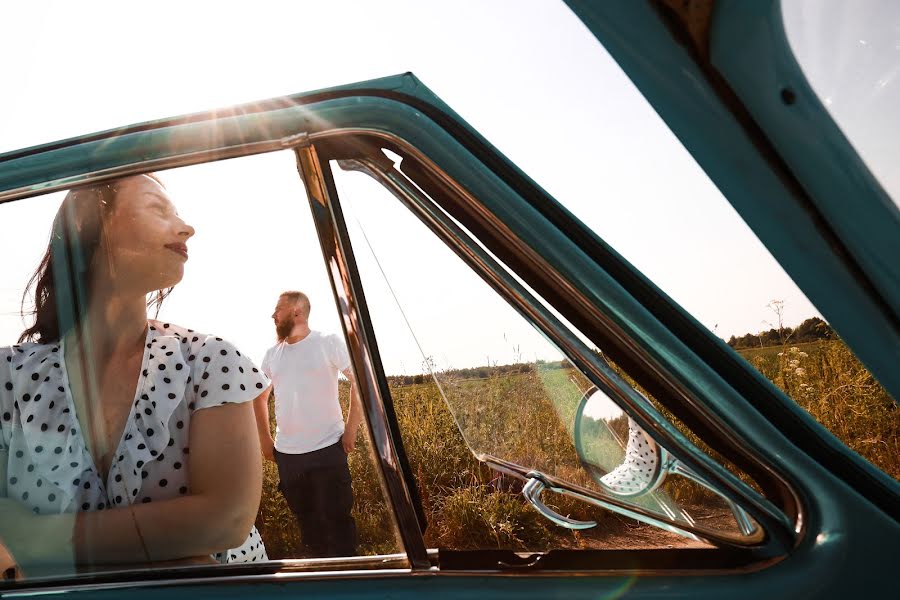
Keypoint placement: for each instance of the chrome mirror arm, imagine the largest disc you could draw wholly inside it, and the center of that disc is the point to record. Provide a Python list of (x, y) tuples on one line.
[(532, 492), (633, 478), (745, 524), (536, 482)]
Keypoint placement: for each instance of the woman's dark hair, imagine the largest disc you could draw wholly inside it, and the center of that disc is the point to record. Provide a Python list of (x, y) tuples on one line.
[(62, 281)]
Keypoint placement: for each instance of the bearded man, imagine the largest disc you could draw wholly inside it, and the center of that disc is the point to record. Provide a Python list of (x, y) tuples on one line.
[(311, 441)]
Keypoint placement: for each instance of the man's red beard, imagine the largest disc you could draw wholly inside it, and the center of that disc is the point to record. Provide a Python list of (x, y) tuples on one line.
[(283, 329)]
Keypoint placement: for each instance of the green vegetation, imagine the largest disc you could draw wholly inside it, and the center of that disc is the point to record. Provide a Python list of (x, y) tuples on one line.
[(525, 414)]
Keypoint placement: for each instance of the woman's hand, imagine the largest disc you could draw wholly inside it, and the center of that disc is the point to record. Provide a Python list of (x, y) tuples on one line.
[(36, 540)]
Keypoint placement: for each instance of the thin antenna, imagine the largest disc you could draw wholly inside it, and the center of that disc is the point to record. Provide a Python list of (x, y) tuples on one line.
[(425, 362)]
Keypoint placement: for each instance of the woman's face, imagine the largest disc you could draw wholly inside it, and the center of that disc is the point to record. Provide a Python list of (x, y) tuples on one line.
[(145, 241)]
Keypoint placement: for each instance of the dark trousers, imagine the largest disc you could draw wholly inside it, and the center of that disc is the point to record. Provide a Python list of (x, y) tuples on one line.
[(317, 488)]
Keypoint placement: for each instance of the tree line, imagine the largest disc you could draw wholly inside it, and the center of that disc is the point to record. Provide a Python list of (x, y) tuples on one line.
[(810, 330), (484, 372)]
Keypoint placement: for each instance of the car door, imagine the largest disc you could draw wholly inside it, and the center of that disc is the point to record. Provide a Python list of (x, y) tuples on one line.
[(819, 503)]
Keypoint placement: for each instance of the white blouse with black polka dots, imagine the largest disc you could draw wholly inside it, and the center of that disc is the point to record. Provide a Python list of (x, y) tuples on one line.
[(49, 468)]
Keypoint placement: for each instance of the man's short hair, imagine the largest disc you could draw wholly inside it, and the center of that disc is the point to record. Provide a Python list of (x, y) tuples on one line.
[(299, 299)]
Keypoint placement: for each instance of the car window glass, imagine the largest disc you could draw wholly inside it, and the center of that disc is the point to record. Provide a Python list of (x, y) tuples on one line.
[(448, 341), (240, 232), (655, 205), (850, 52)]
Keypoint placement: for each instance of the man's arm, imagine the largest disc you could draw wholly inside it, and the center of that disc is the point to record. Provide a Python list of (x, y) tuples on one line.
[(261, 411), (354, 415)]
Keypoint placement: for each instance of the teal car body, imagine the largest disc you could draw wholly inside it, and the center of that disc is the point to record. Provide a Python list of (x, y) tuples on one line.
[(738, 101)]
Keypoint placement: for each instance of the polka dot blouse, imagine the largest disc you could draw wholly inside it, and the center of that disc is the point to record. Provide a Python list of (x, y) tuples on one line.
[(49, 468)]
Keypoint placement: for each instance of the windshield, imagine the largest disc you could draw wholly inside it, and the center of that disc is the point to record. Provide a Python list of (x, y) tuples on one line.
[(850, 53)]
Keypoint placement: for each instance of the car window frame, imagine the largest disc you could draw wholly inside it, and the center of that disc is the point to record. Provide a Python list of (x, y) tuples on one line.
[(355, 144)]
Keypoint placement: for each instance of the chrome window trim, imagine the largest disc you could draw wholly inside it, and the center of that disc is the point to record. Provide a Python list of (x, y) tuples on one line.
[(170, 162), (350, 300), (37, 589)]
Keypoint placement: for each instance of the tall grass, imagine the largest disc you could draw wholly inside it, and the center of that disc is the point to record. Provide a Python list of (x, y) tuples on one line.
[(527, 416), (827, 380)]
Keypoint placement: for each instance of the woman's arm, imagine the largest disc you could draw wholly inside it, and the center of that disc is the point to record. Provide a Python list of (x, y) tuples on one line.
[(225, 483), (6, 559), (4, 461)]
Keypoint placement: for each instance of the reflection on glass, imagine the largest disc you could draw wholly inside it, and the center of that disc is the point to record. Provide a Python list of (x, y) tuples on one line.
[(120, 454), (101, 407), (850, 52)]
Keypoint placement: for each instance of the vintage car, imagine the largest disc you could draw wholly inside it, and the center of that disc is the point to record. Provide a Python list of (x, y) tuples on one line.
[(650, 397)]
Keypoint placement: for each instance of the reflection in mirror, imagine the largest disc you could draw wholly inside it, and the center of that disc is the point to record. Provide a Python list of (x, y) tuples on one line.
[(620, 456), (448, 340), (128, 436), (628, 463)]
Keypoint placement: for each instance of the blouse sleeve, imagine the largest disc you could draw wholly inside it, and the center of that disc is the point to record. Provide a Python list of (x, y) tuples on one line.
[(223, 375), (266, 366), (6, 397)]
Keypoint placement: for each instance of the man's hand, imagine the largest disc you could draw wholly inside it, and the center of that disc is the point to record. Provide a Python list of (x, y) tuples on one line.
[(261, 414), (354, 415), (267, 445), (348, 440)]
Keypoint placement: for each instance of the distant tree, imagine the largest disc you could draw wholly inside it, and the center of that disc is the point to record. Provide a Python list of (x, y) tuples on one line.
[(813, 329), (748, 340)]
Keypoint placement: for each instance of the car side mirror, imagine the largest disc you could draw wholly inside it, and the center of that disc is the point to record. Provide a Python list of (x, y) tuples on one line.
[(624, 460)]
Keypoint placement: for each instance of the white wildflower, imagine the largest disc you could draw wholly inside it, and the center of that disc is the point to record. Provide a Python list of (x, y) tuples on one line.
[(800, 372)]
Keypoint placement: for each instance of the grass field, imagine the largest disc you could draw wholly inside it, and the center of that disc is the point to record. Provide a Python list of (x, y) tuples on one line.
[(526, 416)]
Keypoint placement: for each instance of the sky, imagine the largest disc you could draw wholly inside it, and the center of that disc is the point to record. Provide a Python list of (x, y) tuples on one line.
[(528, 75)]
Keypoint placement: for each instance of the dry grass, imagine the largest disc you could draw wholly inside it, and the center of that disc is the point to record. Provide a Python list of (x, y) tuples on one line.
[(527, 417), (827, 380)]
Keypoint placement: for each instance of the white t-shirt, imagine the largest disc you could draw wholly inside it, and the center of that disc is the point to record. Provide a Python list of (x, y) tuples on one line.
[(48, 466), (305, 376)]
